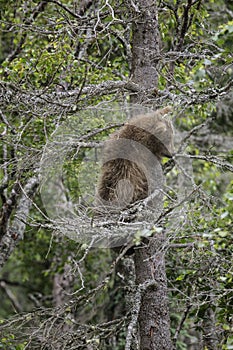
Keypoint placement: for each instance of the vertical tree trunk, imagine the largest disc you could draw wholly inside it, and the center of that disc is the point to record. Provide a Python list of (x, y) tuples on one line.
[(145, 47), (153, 318)]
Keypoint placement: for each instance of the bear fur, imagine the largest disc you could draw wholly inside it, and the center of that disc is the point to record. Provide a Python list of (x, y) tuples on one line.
[(130, 154)]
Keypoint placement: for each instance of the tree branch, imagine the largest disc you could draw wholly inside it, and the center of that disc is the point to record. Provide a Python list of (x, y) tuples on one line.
[(11, 296), (15, 231), (209, 158)]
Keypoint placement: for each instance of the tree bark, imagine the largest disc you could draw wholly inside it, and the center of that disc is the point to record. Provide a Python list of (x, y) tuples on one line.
[(145, 48), (15, 231), (153, 317)]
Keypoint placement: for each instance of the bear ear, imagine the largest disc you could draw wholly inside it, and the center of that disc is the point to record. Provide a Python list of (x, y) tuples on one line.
[(160, 127), (165, 111)]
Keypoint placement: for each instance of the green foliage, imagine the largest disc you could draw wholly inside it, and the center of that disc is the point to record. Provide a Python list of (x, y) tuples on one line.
[(200, 270), (7, 343), (55, 51)]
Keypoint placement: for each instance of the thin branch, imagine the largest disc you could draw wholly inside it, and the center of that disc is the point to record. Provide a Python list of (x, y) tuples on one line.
[(180, 325), (58, 3), (209, 158), (11, 297)]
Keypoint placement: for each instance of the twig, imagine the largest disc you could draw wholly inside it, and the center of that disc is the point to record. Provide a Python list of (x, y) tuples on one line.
[(209, 158), (179, 327), (11, 296)]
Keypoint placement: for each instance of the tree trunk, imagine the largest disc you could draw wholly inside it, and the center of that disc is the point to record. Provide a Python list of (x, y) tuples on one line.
[(153, 318), (145, 48)]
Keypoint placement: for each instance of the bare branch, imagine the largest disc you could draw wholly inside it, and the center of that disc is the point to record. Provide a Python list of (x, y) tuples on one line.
[(180, 325), (11, 296), (209, 158), (15, 231)]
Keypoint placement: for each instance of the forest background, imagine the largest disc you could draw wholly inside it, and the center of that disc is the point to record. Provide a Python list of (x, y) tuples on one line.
[(78, 61)]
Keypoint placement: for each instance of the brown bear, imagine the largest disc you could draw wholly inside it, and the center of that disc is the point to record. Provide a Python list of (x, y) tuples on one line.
[(132, 156)]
